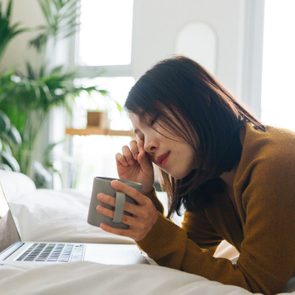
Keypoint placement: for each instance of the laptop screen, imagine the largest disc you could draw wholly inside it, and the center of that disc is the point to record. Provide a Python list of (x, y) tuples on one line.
[(8, 231)]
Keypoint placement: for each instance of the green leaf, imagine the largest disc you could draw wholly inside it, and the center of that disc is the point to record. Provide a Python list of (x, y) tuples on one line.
[(119, 106), (4, 122), (9, 8), (8, 31), (61, 21), (30, 71), (5, 167), (103, 91), (14, 135), (42, 177), (10, 161)]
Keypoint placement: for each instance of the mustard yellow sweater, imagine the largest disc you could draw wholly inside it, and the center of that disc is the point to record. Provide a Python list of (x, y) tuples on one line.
[(262, 229)]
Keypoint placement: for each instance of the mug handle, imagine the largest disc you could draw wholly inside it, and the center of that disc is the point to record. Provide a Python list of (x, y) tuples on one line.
[(120, 201)]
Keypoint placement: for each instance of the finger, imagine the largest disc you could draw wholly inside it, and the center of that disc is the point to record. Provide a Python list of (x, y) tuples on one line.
[(130, 191), (128, 155), (104, 211), (106, 199), (121, 160), (116, 231), (134, 149), (132, 209), (128, 207), (140, 145), (144, 160), (129, 220)]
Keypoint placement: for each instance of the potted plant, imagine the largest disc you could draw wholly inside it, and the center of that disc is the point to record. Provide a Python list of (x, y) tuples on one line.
[(98, 119), (10, 138), (28, 97)]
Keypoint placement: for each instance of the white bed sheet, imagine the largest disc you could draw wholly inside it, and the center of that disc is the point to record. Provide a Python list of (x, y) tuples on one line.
[(61, 216), (90, 278)]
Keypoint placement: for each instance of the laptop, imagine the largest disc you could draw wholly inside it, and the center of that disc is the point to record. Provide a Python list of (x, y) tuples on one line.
[(15, 251)]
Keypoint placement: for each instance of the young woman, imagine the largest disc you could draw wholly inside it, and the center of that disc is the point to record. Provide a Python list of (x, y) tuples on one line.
[(234, 177)]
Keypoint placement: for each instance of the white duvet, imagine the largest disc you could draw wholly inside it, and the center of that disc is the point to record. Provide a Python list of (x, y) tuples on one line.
[(61, 216)]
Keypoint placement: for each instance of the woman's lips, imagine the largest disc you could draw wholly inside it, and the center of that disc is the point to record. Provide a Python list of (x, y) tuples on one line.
[(161, 160)]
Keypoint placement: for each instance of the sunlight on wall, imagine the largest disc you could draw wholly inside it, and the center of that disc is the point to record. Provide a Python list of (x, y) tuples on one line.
[(198, 41)]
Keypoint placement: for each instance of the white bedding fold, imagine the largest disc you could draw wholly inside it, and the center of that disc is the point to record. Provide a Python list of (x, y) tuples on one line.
[(90, 278)]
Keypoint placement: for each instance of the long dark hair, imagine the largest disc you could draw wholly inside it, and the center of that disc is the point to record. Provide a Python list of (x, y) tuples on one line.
[(207, 117)]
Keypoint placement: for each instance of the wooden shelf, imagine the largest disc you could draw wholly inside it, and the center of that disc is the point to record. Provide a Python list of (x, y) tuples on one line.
[(98, 131)]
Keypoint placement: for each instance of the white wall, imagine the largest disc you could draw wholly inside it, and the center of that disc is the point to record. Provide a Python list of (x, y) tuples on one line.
[(157, 23)]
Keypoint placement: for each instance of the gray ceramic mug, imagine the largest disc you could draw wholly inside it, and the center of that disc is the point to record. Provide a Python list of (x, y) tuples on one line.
[(103, 185)]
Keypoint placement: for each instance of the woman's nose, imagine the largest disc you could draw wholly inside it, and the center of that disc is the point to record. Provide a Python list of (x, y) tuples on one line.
[(149, 146)]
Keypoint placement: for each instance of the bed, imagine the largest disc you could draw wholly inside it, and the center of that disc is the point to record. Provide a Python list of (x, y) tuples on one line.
[(49, 215)]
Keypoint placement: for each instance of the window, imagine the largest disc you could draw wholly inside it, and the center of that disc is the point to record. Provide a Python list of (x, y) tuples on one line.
[(278, 100), (102, 53), (106, 31)]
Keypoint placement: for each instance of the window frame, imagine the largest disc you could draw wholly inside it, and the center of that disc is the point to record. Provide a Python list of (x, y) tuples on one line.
[(95, 71), (251, 87)]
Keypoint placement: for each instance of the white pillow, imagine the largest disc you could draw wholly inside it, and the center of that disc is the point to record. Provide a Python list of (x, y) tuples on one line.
[(51, 215), (14, 184)]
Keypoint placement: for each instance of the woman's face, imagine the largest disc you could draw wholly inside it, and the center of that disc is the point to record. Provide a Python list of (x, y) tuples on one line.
[(171, 153)]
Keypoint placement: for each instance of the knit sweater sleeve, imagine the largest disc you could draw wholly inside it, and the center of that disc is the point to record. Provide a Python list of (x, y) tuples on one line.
[(199, 230), (266, 260)]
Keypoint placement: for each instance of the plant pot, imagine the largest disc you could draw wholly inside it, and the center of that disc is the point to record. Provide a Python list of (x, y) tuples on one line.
[(97, 119)]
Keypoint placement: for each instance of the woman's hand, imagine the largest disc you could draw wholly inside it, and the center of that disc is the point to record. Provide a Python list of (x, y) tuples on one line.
[(143, 215), (134, 164)]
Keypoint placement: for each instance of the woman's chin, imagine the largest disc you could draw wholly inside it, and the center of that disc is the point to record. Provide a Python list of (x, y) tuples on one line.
[(179, 174)]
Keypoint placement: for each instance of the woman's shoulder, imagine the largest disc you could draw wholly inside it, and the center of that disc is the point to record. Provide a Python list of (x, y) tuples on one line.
[(266, 154), (270, 144)]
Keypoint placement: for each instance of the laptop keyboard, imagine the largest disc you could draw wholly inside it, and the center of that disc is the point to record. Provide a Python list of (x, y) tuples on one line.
[(53, 252)]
